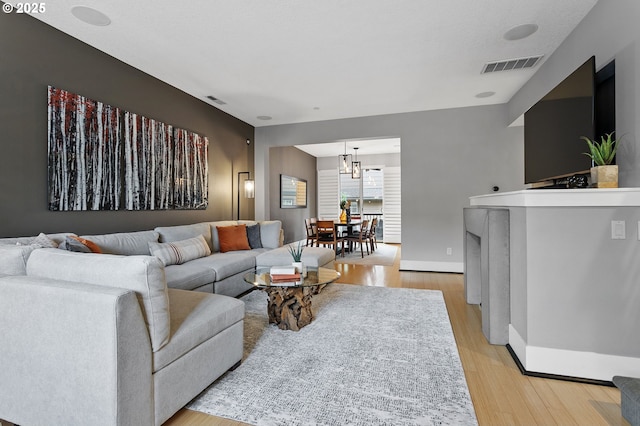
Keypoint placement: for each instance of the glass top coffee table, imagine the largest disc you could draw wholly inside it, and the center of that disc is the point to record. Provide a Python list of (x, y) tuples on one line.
[(289, 304)]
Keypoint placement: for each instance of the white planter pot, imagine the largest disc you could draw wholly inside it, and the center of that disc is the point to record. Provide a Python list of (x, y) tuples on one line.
[(300, 268)]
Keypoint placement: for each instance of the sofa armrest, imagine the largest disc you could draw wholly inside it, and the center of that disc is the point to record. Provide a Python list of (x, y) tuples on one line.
[(73, 354)]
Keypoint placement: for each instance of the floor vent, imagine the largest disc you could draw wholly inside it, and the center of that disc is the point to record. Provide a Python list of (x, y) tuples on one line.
[(216, 100), (511, 64)]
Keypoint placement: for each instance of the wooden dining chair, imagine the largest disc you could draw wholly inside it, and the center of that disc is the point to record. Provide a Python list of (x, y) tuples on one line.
[(327, 235), (372, 234), (360, 236), (310, 225)]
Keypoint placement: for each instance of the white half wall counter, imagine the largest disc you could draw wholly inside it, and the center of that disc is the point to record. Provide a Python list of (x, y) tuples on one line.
[(574, 292)]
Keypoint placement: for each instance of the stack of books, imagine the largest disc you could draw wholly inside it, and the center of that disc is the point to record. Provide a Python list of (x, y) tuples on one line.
[(285, 275)]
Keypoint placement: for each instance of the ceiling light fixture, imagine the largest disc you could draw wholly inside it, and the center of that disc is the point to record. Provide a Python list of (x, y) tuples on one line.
[(485, 94), (355, 166), (521, 31), (216, 100), (263, 117), (344, 162), (90, 16)]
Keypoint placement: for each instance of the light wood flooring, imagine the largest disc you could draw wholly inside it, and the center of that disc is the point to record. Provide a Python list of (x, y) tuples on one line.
[(500, 394)]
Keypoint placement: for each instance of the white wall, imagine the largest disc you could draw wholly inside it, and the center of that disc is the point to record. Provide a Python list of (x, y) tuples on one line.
[(610, 31), (447, 156)]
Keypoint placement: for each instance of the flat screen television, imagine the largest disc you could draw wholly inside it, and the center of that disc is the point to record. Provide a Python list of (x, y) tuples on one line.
[(553, 127)]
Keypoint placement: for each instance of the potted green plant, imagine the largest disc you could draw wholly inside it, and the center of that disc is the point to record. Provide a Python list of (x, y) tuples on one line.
[(603, 174), (296, 254)]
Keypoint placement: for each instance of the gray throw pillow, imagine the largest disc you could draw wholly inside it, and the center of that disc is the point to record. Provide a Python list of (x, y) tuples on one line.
[(71, 244), (253, 235)]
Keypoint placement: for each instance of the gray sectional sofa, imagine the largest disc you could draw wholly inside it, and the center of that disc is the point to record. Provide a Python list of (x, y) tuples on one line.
[(116, 338), (218, 272)]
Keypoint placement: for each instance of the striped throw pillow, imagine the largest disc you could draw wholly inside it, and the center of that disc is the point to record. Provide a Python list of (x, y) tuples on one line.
[(178, 252)]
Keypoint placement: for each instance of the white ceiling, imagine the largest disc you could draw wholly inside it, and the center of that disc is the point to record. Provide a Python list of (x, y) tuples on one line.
[(309, 60)]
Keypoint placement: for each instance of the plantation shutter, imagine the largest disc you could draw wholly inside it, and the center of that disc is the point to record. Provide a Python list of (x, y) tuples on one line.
[(328, 194), (392, 225)]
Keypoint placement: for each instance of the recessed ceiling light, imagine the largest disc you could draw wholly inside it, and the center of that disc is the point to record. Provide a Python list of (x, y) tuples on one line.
[(485, 94), (316, 108), (263, 117), (90, 16), (521, 31)]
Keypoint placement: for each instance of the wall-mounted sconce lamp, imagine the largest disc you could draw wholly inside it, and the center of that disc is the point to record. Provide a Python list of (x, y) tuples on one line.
[(249, 188)]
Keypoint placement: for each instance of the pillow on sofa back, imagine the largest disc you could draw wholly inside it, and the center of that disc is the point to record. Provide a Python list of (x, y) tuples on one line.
[(270, 233), (178, 252), (214, 232), (233, 238), (142, 274), (253, 235), (79, 244)]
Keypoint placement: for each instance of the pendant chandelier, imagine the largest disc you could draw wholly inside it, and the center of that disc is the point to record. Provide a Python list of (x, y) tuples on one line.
[(355, 166), (344, 162)]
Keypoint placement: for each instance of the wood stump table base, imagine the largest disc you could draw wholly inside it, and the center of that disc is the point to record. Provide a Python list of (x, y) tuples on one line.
[(290, 307)]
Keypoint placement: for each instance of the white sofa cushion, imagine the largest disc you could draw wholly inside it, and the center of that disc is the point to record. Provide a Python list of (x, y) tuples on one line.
[(142, 274), (127, 243), (170, 234), (13, 258)]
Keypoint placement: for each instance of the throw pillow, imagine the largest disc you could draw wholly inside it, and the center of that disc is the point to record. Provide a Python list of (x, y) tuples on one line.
[(43, 241), (233, 238), (178, 252), (81, 245), (253, 235)]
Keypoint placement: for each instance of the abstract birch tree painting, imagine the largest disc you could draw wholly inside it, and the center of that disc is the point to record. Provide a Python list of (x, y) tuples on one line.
[(148, 163), (84, 153), (104, 158), (191, 170)]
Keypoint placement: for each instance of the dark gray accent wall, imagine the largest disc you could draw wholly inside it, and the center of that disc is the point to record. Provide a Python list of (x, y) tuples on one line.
[(292, 162), (34, 55)]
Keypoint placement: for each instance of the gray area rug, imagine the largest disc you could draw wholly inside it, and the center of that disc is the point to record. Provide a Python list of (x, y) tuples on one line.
[(384, 255), (372, 356)]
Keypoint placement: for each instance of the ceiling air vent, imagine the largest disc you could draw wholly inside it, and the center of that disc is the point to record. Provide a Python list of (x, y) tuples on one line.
[(216, 100), (511, 64)]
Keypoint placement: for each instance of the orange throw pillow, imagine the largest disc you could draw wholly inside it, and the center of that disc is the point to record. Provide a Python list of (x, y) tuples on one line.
[(89, 244), (233, 238)]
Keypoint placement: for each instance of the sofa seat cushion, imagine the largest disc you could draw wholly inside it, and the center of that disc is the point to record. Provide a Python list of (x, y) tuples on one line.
[(195, 318), (190, 275), (126, 243), (230, 263), (142, 274), (311, 256)]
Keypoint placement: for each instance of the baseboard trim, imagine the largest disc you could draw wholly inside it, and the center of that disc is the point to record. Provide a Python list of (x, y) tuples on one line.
[(425, 266), (525, 372)]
